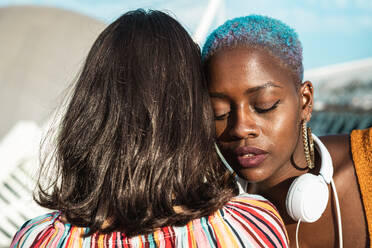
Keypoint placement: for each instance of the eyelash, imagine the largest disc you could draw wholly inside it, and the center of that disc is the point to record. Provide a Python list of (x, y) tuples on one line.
[(262, 111), (258, 110), (222, 117)]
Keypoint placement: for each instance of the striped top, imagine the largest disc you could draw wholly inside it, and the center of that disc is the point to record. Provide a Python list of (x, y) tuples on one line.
[(245, 221)]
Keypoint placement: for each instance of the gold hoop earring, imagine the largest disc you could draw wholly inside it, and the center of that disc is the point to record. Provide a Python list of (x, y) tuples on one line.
[(308, 145)]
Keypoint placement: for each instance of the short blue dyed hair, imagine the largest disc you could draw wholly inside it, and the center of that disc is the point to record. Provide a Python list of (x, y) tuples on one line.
[(258, 31)]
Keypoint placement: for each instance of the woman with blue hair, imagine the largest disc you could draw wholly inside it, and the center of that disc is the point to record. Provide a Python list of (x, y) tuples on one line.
[(261, 106)]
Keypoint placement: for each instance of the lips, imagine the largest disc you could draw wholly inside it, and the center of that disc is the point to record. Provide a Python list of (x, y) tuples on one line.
[(249, 157)]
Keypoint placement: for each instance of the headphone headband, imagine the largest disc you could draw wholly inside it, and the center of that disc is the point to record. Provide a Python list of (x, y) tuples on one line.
[(326, 168)]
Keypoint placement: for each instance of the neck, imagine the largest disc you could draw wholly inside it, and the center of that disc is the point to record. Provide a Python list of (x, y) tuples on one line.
[(276, 190), (295, 166), (275, 194)]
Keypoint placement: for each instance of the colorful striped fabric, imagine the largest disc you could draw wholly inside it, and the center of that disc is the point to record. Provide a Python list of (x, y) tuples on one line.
[(245, 221)]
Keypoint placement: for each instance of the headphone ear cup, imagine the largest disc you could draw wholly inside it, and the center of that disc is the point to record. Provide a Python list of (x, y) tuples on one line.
[(307, 198)]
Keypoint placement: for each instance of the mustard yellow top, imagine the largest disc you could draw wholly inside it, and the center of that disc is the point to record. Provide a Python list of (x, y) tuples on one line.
[(361, 148)]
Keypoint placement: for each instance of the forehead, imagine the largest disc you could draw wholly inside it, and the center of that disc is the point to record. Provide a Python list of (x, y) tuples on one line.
[(251, 66)]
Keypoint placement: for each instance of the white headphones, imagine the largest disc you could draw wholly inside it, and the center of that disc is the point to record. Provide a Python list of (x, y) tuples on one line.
[(307, 196)]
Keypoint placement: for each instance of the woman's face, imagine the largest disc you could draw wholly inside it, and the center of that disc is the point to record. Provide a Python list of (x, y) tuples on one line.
[(258, 111)]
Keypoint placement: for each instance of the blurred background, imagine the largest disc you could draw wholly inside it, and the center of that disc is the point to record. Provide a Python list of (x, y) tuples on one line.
[(43, 45)]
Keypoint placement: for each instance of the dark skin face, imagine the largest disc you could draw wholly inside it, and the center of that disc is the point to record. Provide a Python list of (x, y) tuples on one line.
[(258, 104), (259, 108)]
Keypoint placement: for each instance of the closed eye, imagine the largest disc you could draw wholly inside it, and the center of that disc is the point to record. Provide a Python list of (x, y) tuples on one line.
[(265, 110), (222, 117)]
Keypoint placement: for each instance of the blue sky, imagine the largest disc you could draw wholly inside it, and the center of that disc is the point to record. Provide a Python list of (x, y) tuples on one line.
[(332, 31)]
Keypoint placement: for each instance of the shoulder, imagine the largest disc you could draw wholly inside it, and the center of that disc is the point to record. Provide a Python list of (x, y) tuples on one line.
[(247, 202), (347, 152), (254, 217), (245, 221), (339, 149), (352, 156), (40, 231), (346, 148)]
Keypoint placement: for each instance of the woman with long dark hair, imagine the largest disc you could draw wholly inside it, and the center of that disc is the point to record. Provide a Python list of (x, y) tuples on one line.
[(135, 162)]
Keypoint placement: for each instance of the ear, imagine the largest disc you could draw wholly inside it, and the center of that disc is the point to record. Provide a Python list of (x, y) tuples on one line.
[(307, 97)]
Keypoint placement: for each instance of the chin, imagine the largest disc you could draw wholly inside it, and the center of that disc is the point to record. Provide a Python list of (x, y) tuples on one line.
[(252, 175)]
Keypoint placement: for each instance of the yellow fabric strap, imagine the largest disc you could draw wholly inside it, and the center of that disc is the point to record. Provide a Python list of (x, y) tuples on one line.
[(361, 148)]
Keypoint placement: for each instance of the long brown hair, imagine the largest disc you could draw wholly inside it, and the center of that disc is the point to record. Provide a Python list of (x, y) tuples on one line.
[(137, 136)]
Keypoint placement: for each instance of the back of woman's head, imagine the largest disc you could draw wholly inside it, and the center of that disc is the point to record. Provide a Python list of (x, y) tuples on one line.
[(137, 136)]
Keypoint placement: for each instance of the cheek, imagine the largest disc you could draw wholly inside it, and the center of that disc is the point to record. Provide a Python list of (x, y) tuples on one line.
[(283, 129), (220, 127)]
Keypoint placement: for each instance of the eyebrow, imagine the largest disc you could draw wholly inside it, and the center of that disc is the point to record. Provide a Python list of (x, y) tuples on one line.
[(264, 86), (248, 91)]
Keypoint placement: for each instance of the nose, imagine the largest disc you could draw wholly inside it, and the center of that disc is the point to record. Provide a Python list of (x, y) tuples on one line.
[(244, 125)]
